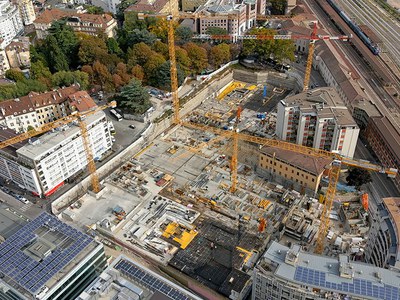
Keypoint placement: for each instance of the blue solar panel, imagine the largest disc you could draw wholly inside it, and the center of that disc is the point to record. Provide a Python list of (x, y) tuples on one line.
[(30, 274), (150, 281), (356, 286)]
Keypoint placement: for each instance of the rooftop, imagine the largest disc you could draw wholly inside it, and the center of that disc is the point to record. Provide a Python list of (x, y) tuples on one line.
[(313, 165), (50, 140), (333, 274), (145, 5), (389, 133), (54, 14), (136, 281), (81, 101), (324, 102), (33, 100), (32, 257), (5, 134)]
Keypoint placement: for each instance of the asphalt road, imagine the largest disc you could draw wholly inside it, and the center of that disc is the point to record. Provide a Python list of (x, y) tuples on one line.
[(381, 185)]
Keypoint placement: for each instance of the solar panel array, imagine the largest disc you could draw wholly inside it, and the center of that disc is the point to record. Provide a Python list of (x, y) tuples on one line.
[(27, 272), (357, 286), (149, 281)]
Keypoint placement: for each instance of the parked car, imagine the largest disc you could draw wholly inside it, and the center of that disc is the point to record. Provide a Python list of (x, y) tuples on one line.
[(22, 199), (132, 126)]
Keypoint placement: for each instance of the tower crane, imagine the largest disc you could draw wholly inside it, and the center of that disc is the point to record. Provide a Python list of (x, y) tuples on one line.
[(75, 116), (334, 170), (312, 38)]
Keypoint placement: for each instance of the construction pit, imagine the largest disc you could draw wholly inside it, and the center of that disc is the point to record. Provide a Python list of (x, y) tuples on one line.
[(172, 201)]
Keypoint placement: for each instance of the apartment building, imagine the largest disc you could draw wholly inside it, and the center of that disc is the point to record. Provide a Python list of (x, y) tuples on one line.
[(4, 65), (384, 139), (27, 11), (37, 109), (156, 6), (384, 235), (48, 259), (303, 171), (18, 53), (290, 273), (318, 119), (10, 22), (86, 23), (43, 165)]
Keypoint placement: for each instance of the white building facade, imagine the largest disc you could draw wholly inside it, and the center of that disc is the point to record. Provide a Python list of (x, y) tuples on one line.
[(315, 119), (42, 166), (27, 11), (10, 22)]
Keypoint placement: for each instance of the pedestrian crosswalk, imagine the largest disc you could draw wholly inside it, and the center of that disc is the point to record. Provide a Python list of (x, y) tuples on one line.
[(26, 206)]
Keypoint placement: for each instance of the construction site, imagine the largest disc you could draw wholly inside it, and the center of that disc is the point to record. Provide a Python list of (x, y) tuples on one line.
[(176, 203)]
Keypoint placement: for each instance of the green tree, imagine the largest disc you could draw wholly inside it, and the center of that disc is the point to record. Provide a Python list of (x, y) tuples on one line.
[(219, 54), (41, 72), (278, 7), (55, 57), (140, 36), (67, 78), (15, 75), (152, 64), (94, 10), (92, 48), (197, 56), (162, 77), (113, 47), (216, 30), (139, 54), (183, 34), (134, 98), (121, 7), (66, 40), (30, 128), (357, 177)]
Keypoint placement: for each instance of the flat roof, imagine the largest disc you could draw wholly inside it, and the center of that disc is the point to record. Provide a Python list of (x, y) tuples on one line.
[(324, 102), (322, 272), (389, 133), (151, 280), (7, 133), (52, 139), (11, 221), (31, 258)]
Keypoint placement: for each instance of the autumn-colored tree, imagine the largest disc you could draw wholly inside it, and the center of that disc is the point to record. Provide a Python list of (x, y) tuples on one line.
[(138, 72), (139, 54), (117, 80), (102, 76), (91, 48), (122, 72), (88, 70), (219, 54), (160, 28), (197, 56), (152, 64), (182, 60), (161, 48)]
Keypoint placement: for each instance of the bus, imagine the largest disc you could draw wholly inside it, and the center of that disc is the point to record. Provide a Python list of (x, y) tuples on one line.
[(116, 114)]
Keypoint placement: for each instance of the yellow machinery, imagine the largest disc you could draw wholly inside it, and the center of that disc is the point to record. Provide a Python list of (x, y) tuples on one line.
[(334, 171), (62, 121)]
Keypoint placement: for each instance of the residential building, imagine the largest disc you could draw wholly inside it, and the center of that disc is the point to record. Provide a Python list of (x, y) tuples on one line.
[(27, 11), (4, 65), (48, 259), (192, 5), (305, 172), (384, 139), (36, 109), (10, 22), (156, 6), (43, 165), (318, 119), (384, 235), (18, 53), (126, 279), (86, 23), (290, 273)]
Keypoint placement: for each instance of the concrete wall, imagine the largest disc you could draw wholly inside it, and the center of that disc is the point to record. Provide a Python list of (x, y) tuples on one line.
[(147, 136), (262, 77)]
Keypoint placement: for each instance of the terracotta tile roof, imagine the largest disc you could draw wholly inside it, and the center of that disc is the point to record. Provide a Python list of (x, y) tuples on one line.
[(54, 14), (7, 133), (144, 5), (35, 100), (81, 101), (313, 165)]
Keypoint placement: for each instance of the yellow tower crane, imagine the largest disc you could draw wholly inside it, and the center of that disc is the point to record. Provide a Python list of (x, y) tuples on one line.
[(76, 116), (334, 171)]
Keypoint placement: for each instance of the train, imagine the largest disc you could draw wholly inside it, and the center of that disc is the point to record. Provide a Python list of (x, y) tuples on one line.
[(363, 37)]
